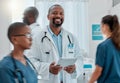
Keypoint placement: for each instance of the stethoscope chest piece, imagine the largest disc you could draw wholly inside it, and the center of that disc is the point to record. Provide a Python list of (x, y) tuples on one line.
[(39, 77)]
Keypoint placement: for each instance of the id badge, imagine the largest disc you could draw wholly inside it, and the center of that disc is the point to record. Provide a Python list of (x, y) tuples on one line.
[(71, 48), (71, 45)]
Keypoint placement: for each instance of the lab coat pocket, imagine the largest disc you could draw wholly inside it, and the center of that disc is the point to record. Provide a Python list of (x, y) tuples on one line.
[(46, 56), (46, 52)]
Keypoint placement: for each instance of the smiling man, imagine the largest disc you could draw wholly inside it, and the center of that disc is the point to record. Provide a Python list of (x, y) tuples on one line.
[(52, 44), (56, 16)]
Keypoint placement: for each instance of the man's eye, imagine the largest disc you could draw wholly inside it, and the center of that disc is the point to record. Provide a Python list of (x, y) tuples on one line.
[(54, 12)]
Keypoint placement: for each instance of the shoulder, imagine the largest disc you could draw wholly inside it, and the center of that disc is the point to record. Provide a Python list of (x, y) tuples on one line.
[(41, 33), (38, 37), (72, 38), (65, 32), (106, 44), (6, 62)]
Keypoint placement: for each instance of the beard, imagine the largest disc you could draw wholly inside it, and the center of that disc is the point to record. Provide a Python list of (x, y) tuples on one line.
[(57, 23)]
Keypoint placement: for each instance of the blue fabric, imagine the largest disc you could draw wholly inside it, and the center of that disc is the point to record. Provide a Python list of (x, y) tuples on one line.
[(108, 57), (58, 42), (7, 71)]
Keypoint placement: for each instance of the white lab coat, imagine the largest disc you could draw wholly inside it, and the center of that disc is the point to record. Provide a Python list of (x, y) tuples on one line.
[(35, 29), (42, 60)]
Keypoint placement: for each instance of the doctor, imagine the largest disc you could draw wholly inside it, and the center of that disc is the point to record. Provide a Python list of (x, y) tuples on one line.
[(50, 45), (30, 18)]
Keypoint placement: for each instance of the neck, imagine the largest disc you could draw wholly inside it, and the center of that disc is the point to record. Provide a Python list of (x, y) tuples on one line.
[(55, 30), (18, 55)]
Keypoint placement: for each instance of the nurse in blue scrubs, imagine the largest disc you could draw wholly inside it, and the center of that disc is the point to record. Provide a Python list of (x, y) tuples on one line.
[(16, 67), (108, 53)]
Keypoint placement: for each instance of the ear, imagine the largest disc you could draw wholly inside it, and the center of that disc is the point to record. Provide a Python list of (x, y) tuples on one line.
[(14, 40)]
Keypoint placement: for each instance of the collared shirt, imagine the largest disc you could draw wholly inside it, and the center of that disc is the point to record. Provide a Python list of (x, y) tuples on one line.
[(57, 40)]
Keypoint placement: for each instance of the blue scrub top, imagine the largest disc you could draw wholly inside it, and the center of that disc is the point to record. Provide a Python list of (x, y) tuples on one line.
[(7, 71), (108, 57)]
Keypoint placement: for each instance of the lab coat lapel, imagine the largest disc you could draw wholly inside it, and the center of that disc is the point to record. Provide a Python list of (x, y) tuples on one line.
[(49, 36), (64, 42), (56, 55)]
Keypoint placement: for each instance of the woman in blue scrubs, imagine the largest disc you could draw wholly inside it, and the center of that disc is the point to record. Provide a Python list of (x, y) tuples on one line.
[(108, 53), (15, 67)]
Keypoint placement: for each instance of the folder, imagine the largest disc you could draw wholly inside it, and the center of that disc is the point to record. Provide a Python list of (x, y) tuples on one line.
[(64, 62)]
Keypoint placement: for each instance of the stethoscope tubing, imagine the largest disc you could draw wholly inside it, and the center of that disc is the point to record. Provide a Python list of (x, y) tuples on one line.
[(42, 40), (18, 70)]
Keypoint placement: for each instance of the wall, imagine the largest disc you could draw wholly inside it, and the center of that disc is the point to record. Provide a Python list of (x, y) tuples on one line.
[(97, 9), (19, 7), (116, 10), (10, 11), (5, 20)]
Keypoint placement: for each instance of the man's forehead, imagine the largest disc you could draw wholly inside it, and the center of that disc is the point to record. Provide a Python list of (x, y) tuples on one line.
[(56, 7)]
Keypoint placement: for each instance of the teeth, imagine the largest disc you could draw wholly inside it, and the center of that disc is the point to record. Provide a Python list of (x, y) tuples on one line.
[(57, 19)]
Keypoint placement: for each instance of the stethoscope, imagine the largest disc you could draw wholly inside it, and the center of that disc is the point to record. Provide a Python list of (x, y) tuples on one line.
[(17, 70), (70, 45), (42, 40), (45, 37)]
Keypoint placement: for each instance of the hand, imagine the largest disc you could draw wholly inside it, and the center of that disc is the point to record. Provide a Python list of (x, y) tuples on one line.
[(70, 69), (54, 69)]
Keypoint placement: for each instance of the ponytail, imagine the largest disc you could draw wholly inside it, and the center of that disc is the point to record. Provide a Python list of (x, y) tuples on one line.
[(116, 32), (113, 23)]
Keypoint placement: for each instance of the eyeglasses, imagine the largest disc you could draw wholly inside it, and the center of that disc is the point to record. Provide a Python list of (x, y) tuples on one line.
[(28, 35)]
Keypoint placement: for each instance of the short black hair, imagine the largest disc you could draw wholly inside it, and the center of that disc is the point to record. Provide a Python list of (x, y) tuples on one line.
[(32, 10), (14, 29), (53, 7)]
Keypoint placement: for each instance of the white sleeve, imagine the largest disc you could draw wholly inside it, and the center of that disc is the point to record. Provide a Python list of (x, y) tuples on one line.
[(79, 62)]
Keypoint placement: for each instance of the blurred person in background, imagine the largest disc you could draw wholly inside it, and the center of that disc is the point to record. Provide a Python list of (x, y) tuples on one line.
[(30, 18)]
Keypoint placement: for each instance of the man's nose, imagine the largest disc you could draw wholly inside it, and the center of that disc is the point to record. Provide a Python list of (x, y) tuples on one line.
[(58, 15)]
